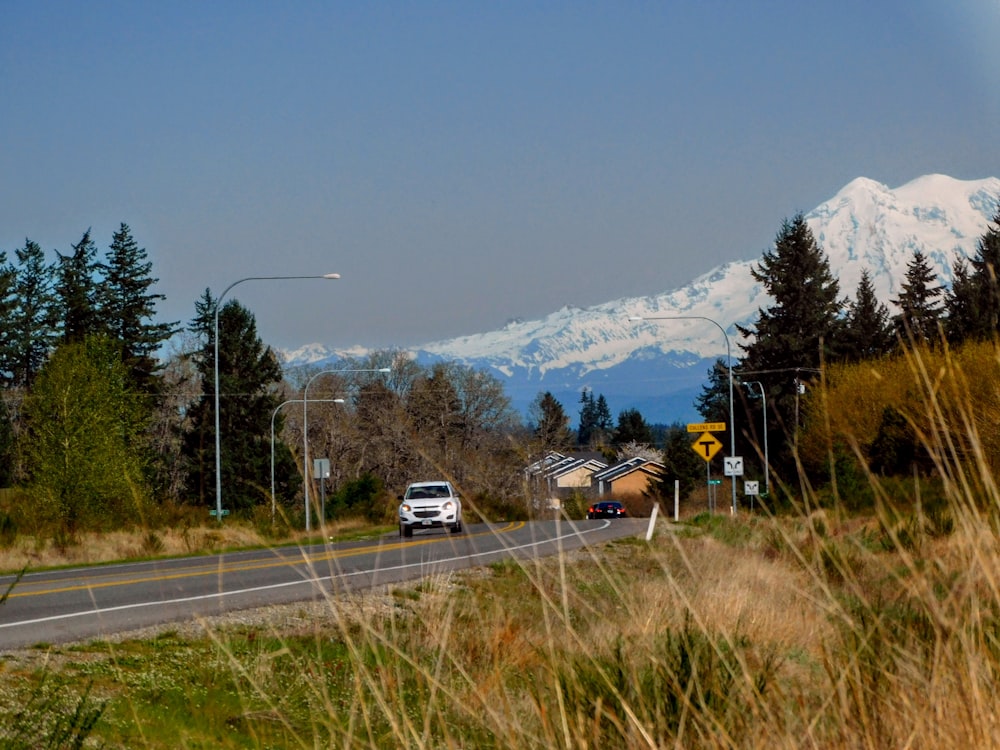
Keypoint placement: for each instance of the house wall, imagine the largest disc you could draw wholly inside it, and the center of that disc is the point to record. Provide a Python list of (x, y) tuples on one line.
[(633, 483), (578, 478)]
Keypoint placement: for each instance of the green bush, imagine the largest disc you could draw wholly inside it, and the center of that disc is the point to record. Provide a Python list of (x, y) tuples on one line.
[(359, 497)]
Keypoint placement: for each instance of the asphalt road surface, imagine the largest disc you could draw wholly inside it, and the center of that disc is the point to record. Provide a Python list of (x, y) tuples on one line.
[(83, 603)]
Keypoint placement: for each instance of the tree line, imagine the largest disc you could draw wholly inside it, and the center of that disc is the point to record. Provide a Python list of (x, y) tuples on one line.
[(108, 418)]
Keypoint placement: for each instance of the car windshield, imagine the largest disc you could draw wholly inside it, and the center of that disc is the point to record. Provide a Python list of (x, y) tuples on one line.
[(427, 492)]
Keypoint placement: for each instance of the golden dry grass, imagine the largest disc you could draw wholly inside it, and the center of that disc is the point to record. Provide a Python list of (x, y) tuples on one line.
[(93, 548)]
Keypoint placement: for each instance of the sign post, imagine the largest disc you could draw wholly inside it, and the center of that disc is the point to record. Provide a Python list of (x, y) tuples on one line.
[(706, 446)]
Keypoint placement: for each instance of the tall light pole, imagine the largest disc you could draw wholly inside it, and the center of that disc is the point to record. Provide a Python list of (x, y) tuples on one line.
[(218, 437), (275, 414), (767, 463), (729, 365), (305, 430)]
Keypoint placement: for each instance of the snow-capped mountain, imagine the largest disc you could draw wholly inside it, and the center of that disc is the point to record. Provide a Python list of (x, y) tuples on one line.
[(658, 366)]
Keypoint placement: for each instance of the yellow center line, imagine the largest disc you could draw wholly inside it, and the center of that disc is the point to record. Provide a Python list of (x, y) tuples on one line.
[(204, 570)]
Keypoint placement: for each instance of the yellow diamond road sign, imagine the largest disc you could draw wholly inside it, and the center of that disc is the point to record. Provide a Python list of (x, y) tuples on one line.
[(706, 446), (707, 427)]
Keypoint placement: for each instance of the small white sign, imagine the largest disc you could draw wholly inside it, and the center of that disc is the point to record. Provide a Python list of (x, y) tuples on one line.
[(321, 468), (733, 466), (751, 488)]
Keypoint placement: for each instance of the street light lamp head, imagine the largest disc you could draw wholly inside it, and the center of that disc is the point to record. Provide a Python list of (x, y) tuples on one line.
[(331, 276), (635, 318)]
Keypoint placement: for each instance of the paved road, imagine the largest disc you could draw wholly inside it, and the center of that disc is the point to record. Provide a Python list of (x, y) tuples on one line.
[(72, 605)]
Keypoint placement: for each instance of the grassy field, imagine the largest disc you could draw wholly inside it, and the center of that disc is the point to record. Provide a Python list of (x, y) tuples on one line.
[(814, 629)]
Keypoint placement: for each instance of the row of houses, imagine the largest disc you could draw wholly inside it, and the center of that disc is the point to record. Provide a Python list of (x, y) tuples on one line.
[(560, 475)]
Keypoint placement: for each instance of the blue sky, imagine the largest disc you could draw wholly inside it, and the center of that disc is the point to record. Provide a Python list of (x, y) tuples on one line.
[(462, 164)]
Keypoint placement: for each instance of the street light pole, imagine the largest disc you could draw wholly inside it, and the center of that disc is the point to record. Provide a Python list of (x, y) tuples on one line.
[(767, 463), (275, 414), (218, 437), (729, 364), (305, 431)]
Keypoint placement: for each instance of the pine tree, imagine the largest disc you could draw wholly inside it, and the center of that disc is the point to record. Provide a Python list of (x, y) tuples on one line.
[(632, 428), (602, 418), (680, 463), (127, 307), (973, 302), (961, 306), (248, 372), (588, 418), (868, 334), (77, 291), (33, 322), (551, 425), (8, 306), (985, 272), (920, 302), (799, 331), (713, 402)]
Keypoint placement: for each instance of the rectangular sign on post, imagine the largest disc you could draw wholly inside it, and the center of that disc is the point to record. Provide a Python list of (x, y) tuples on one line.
[(321, 468), (707, 427), (733, 466)]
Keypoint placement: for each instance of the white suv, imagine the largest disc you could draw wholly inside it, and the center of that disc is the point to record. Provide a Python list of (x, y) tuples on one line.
[(430, 504)]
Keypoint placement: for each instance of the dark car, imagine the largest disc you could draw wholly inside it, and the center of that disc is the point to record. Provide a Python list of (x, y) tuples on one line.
[(606, 509)]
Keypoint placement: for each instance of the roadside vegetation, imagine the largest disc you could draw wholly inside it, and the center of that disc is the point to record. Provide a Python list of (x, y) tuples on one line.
[(809, 629)]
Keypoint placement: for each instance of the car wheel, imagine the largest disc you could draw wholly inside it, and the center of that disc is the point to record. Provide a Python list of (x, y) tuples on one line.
[(457, 528), (407, 530)]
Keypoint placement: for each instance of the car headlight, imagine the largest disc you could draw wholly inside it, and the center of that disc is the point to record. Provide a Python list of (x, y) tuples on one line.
[(405, 507), (448, 505)]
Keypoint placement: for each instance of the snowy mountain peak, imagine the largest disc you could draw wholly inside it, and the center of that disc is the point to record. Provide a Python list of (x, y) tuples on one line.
[(866, 225)]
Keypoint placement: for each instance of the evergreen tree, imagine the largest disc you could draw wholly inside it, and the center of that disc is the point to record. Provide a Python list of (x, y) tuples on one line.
[(920, 302), (713, 402), (551, 425), (602, 418), (128, 307), (973, 303), (77, 291), (681, 463), (588, 418), (985, 269), (33, 322), (632, 428), (8, 306), (798, 331), (961, 305), (248, 372), (868, 334)]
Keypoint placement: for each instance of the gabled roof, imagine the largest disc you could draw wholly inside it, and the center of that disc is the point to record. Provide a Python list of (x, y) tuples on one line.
[(544, 464), (554, 461), (627, 466), (574, 464)]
